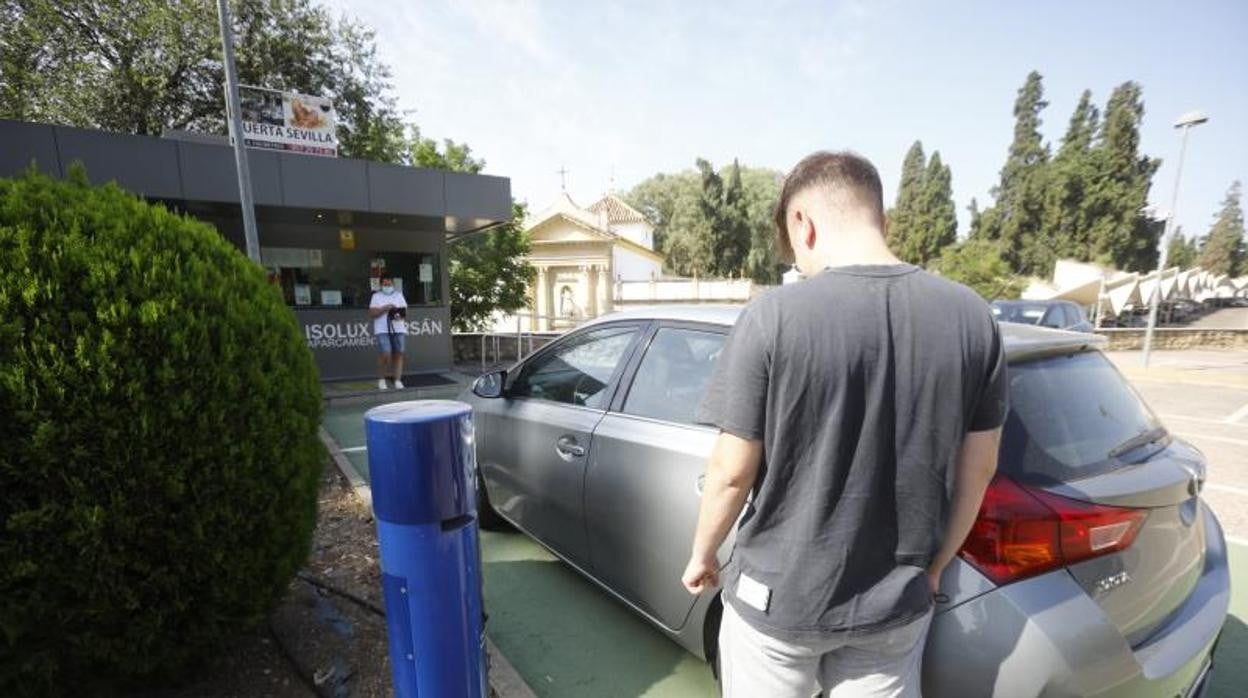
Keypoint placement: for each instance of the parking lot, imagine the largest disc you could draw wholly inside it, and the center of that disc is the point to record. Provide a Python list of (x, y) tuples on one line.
[(568, 638)]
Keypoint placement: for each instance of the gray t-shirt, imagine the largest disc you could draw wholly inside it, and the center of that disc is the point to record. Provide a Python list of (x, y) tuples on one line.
[(862, 383)]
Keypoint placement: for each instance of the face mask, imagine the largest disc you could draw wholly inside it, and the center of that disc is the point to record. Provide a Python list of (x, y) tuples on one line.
[(387, 289)]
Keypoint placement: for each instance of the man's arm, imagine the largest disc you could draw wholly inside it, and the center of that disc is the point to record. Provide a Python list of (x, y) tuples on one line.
[(375, 310), (977, 463), (730, 474)]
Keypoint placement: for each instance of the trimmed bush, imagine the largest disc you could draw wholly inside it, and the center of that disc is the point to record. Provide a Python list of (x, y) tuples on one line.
[(158, 452)]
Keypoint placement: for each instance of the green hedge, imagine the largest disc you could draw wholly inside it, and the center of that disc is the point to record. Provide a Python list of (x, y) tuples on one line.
[(158, 452)]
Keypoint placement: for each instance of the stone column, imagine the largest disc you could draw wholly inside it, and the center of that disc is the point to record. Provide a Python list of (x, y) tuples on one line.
[(541, 301), (604, 290), (585, 298)]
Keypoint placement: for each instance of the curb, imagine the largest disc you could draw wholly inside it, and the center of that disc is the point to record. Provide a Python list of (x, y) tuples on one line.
[(505, 681), (356, 481)]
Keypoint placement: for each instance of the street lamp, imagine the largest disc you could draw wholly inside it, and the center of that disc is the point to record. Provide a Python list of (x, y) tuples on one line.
[(1185, 122)]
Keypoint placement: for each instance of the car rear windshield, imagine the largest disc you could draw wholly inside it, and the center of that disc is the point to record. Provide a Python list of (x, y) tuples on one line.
[(1070, 417), (1023, 313)]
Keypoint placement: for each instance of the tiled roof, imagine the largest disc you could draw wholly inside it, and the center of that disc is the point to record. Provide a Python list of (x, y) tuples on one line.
[(617, 211)]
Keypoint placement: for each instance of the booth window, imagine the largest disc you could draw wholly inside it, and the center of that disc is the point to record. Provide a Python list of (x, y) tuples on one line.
[(326, 278)]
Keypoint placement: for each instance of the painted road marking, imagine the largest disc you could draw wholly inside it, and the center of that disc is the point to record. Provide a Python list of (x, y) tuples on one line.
[(354, 449), (1225, 439), (1202, 420), (1226, 488), (1237, 415)]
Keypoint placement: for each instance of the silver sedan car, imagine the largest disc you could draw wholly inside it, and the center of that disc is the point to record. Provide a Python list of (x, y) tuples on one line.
[(1094, 568)]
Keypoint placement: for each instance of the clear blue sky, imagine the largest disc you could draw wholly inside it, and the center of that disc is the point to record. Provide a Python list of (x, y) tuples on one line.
[(616, 91)]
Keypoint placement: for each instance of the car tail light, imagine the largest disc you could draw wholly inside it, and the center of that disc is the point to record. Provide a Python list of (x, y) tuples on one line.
[(1022, 532)]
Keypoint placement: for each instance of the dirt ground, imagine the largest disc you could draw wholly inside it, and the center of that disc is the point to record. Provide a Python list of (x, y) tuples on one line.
[(316, 642)]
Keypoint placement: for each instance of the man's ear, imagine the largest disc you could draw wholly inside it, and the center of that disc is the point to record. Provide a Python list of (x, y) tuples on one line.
[(808, 231)]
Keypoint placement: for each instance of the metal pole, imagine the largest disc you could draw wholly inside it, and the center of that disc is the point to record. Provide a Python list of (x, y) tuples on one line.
[(236, 132), (1165, 249)]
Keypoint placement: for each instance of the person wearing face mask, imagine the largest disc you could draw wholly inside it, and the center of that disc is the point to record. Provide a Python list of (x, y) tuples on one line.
[(388, 309)]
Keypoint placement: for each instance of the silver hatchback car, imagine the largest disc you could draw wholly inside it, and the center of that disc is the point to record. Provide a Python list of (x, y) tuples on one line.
[(1094, 568)]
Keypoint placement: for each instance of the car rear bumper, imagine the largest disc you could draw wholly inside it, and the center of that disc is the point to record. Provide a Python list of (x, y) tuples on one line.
[(1046, 637)]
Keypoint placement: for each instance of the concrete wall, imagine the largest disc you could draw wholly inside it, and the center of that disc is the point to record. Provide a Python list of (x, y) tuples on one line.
[(684, 291), (631, 266), (1126, 339)]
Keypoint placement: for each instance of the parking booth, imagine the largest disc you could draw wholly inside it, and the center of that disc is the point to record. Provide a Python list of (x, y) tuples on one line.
[(328, 227)]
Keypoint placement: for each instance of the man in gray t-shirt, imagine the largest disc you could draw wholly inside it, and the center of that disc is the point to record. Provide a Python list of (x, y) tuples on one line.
[(862, 407)]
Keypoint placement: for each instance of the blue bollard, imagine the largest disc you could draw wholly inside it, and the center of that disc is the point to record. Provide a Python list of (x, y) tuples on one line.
[(422, 468)]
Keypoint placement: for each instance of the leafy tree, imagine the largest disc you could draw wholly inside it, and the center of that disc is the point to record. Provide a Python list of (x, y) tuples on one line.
[(426, 152), (1222, 250), (490, 272), (660, 198), (143, 66), (1181, 252), (704, 226), (1015, 217), (761, 190), (980, 265)]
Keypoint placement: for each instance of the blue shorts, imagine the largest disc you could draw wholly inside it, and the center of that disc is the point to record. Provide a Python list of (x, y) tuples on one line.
[(388, 343)]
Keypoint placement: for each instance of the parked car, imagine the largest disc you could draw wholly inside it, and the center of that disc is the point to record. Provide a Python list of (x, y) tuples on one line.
[(1059, 315), (1094, 569)]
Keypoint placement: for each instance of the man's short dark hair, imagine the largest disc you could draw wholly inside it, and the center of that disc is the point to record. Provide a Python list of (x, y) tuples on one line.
[(846, 171)]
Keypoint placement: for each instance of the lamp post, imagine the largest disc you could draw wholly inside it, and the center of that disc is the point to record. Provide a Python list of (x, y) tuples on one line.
[(236, 130), (1185, 122)]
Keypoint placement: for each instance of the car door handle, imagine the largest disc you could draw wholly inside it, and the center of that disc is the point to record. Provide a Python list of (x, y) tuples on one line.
[(567, 446)]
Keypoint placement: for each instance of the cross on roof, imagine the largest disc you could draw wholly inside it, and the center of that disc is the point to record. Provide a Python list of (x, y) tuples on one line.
[(563, 182)]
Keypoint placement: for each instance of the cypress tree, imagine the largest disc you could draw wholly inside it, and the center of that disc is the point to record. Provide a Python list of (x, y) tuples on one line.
[(1222, 250), (1181, 252), (1015, 217), (1119, 231), (1071, 177), (905, 218), (940, 216)]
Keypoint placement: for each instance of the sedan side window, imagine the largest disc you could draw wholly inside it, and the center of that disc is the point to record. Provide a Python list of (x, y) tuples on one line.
[(1074, 315), (1054, 318), (578, 370), (673, 374)]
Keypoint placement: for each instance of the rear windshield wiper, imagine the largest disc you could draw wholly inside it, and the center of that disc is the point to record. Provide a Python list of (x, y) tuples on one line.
[(1141, 439)]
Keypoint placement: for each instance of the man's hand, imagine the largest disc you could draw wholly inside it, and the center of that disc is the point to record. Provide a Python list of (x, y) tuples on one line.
[(700, 575), (933, 579)]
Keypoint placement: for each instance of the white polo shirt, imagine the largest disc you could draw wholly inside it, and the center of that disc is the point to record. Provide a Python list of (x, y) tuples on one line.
[(380, 300)]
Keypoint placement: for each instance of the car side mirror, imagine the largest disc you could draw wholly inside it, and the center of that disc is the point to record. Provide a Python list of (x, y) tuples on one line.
[(490, 385)]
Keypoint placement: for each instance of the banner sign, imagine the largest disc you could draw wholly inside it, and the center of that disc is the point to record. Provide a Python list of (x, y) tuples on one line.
[(288, 121)]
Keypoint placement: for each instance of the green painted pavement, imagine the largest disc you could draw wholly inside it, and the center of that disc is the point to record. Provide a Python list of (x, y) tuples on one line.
[(1230, 672), (345, 423), (566, 637)]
